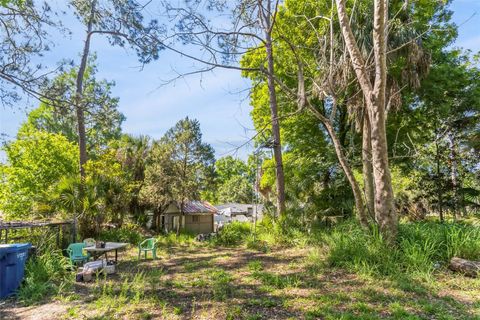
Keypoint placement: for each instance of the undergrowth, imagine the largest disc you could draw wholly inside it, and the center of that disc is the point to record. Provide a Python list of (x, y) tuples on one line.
[(233, 234), (128, 232), (422, 248), (45, 275), (171, 239)]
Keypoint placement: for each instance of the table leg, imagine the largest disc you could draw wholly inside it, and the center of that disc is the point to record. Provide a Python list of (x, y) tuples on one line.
[(116, 256)]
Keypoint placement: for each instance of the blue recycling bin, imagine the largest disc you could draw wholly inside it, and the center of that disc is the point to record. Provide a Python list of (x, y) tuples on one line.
[(12, 266)]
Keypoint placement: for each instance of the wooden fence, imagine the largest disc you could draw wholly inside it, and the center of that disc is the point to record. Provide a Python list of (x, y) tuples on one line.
[(7, 229)]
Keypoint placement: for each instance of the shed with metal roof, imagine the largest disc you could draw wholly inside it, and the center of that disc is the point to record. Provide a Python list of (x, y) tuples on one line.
[(196, 217)]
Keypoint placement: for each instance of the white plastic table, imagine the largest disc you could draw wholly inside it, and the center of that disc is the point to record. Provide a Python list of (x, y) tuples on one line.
[(109, 246)]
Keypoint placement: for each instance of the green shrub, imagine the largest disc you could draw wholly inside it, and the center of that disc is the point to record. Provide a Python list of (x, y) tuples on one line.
[(233, 233), (45, 275), (128, 232)]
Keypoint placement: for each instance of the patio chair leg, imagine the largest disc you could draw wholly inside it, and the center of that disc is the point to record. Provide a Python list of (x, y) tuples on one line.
[(145, 255), (154, 253), (139, 254)]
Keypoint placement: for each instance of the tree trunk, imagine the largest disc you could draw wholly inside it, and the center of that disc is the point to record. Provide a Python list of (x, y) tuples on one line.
[(385, 213), (453, 172), (277, 147), (357, 194), (82, 136), (367, 168), (438, 178)]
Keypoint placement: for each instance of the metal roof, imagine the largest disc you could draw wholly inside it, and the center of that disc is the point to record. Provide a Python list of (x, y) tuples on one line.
[(198, 207)]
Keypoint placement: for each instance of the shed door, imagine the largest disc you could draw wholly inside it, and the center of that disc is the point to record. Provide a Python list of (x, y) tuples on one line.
[(176, 222)]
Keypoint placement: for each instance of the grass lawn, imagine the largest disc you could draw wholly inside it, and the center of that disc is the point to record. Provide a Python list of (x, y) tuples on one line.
[(197, 281)]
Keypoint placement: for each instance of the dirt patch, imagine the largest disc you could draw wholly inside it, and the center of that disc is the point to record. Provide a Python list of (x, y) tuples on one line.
[(48, 311)]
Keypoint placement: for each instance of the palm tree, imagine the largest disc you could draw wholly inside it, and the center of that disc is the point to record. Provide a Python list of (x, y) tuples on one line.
[(81, 201)]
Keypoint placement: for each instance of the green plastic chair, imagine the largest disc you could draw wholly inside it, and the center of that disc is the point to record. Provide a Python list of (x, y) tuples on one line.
[(148, 245), (76, 254)]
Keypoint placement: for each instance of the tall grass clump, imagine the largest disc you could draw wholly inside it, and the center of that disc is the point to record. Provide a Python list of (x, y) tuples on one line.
[(172, 239), (350, 247), (282, 232), (422, 247), (116, 299), (444, 241), (45, 275)]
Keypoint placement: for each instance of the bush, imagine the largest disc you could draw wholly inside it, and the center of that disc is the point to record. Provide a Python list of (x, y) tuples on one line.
[(233, 233), (129, 232), (45, 275)]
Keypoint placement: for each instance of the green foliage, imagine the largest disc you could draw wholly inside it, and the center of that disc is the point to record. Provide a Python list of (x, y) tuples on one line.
[(233, 234), (233, 181), (128, 232), (112, 185), (315, 182), (228, 167), (284, 232), (45, 275), (180, 166), (171, 239), (132, 153), (269, 233), (18, 3), (112, 297), (236, 189), (422, 247), (124, 24), (102, 121), (255, 265), (106, 194), (35, 161), (450, 109), (253, 242)]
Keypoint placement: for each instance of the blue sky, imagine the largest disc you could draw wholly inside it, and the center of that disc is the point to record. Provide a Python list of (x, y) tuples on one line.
[(218, 100)]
